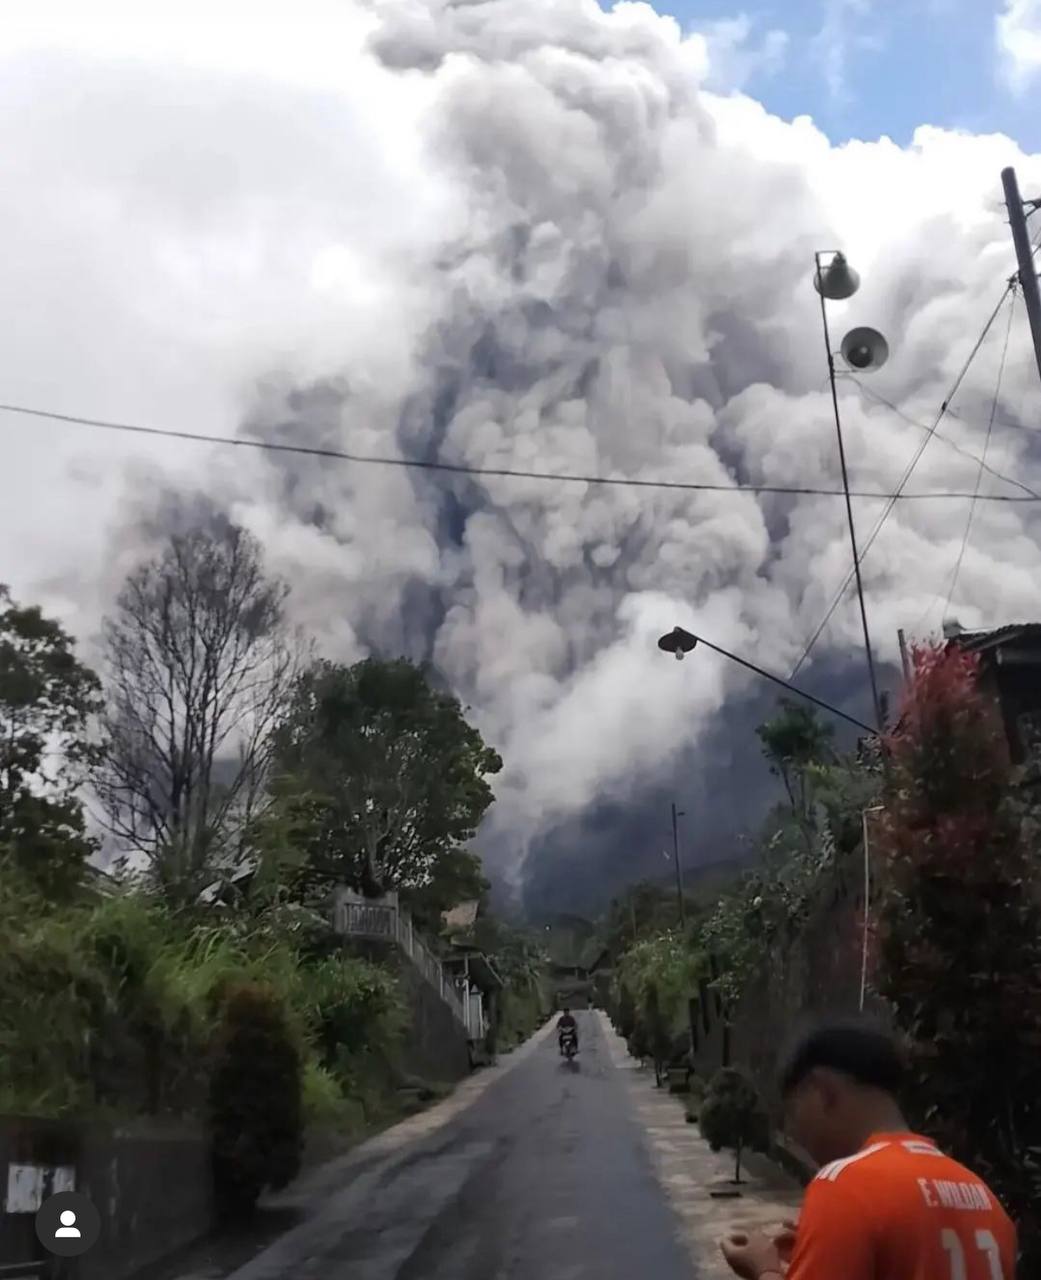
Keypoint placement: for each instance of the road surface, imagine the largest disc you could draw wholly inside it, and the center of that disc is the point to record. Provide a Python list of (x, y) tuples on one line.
[(544, 1177)]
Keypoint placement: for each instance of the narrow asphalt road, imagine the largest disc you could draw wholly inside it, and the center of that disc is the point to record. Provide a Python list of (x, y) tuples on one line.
[(544, 1177)]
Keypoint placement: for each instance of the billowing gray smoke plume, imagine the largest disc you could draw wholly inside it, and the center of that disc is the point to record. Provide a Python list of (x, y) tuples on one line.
[(517, 234)]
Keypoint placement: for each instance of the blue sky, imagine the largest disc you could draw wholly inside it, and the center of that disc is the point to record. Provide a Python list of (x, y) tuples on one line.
[(864, 68)]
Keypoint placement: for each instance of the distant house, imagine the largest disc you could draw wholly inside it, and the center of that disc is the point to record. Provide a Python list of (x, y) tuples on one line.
[(475, 976), (1010, 672), (461, 918)]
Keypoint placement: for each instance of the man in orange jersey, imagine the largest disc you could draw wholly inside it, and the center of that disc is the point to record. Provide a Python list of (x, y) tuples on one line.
[(886, 1204)]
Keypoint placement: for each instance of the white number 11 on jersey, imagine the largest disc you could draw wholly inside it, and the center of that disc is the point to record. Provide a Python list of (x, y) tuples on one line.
[(986, 1244)]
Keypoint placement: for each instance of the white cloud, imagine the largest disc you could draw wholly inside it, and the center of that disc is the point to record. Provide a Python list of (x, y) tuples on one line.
[(1018, 29), (511, 234), (735, 53), (838, 36)]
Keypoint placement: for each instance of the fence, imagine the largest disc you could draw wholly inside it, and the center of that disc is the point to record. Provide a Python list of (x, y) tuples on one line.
[(385, 920)]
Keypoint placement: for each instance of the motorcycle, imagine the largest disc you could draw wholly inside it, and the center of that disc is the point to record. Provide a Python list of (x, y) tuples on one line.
[(569, 1045)]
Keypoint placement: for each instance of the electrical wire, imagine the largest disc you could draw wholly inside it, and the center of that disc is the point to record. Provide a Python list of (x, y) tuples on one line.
[(924, 426), (986, 446), (503, 472), (891, 503)]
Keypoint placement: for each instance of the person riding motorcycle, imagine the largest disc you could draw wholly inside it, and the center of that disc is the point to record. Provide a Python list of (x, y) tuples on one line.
[(567, 1026)]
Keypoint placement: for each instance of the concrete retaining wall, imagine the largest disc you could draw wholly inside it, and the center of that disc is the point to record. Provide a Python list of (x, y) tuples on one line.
[(436, 1049), (149, 1182)]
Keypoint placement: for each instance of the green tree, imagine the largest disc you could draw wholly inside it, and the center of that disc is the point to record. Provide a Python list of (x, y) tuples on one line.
[(793, 741), (672, 966), (960, 930), (659, 1036), (389, 775), (457, 876), (732, 1115), (643, 911), (47, 702)]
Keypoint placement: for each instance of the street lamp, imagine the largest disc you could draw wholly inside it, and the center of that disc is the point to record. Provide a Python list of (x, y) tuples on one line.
[(863, 349), (679, 642)]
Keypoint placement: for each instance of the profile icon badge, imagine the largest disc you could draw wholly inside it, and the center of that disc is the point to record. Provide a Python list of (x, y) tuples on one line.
[(67, 1224)]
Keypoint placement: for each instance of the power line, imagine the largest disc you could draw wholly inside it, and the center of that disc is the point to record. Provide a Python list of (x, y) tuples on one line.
[(503, 472), (837, 598), (924, 426), (986, 446)]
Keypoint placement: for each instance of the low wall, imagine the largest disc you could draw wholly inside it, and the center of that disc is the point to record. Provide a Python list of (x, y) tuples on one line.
[(436, 1049), (149, 1182)]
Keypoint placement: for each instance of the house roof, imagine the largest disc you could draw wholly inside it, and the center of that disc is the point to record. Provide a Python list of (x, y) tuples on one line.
[(463, 916), (981, 641), (480, 968)]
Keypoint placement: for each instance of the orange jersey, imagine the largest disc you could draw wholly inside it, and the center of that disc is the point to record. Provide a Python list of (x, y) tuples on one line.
[(901, 1210)]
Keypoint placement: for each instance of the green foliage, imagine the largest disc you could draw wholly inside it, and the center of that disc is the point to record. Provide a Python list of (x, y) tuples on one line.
[(324, 1104), (669, 964), (625, 1023), (385, 777), (792, 741), (659, 1038), (798, 861), (354, 1007), (48, 993), (457, 877), (134, 991), (960, 930), (47, 702), (256, 1086), (732, 1115)]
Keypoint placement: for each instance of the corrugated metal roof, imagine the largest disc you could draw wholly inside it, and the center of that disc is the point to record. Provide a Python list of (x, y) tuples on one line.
[(976, 641)]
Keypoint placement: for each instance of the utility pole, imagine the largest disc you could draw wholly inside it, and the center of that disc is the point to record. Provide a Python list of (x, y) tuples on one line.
[(1024, 256), (692, 1026), (905, 661), (676, 855)]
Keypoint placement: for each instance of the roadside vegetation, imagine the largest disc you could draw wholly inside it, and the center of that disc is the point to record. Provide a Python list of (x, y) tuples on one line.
[(234, 781), (949, 954)]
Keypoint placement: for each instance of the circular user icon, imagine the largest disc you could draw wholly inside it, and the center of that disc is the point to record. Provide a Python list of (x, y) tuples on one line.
[(67, 1224)]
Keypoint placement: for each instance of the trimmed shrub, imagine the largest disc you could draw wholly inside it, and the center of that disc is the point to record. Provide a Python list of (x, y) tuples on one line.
[(256, 1090), (733, 1115)]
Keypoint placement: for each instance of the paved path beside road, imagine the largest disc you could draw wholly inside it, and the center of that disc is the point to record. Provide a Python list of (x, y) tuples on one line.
[(687, 1170)]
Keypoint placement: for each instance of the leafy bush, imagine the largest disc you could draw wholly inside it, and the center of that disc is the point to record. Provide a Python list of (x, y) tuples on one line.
[(353, 1006), (51, 997), (256, 1088), (732, 1115), (669, 964), (626, 1023), (960, 931), (324, 1104)]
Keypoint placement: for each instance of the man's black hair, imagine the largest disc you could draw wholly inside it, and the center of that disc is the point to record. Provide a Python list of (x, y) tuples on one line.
[(859, 1050)]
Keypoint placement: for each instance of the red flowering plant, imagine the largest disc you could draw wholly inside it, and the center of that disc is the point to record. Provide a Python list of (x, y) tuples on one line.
[(959, 927)]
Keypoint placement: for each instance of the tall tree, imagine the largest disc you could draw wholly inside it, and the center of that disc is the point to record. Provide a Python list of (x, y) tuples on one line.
[(47, 701), (390, 772), (199, 665), (793, 741), (457, 876)]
